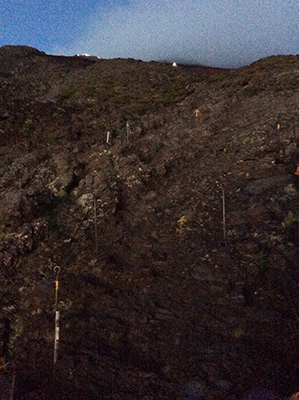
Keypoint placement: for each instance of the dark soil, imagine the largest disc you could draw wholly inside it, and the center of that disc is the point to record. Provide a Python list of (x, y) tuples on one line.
[(177, 240)]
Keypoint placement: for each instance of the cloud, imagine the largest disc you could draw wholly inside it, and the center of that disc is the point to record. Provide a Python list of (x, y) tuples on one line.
[(226, 33)]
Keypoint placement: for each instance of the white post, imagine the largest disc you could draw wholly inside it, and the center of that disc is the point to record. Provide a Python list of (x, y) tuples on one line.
[(56, 340), (57, 314)]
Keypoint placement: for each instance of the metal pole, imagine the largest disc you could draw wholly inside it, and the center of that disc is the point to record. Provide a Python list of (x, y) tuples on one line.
[(57, 315), (224, 217), (95, 223), (57, 271), (128, 133), (294, 132), (13, 383), (56, 341)]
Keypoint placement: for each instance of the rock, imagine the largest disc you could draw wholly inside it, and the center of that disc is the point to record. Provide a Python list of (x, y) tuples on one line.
[(194, 390), (262, 185)]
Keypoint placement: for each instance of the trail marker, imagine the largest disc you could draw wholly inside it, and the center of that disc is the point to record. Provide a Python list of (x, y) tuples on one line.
[(95, 223), (56, 341), (13, 383), (224, 217), (57, 314), (127, 132)]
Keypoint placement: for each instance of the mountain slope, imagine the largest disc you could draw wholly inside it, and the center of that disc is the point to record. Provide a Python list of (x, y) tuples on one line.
[(161, 302)]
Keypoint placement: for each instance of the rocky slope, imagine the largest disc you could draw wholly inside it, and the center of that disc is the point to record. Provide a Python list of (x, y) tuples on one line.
[(177, 240)]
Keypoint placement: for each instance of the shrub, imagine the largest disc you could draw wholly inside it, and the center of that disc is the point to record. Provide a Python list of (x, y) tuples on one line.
[(290, 218)]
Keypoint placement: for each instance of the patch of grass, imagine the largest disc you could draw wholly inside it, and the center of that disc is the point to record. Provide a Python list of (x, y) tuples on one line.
[(17, 330), (77, 196), (101, 123), (109, 227), (290, 218), (136, 108), (21, 261), (252, 91), (247, 141), (62, 194), (3, 234), (259, 257), (26, 304), (106, 153), (66, 93), (53, 136), (29, 125), (216, 78), (132, 87)]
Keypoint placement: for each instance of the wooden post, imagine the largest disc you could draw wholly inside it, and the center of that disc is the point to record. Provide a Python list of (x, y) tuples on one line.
[(108, 137)]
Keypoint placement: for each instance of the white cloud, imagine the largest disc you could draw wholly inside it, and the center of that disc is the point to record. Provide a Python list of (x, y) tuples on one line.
[(211, 32)]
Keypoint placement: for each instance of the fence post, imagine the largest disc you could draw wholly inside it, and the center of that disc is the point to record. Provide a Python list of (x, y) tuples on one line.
[(224, 217)]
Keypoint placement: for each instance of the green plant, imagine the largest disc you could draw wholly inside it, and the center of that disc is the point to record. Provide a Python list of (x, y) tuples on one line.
[(53, 136), (216, 78), (62, 194), (77, 196), (109, 227), (26, 304), (101, 123), (136, 108), (289, 219), (28, 125), (259, 257), (106, 153), (18, 329), (66, 93), (247, 141), (21, 261), (252, 91)]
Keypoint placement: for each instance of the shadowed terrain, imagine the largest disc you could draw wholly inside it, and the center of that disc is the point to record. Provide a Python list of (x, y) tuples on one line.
[(176, 234)]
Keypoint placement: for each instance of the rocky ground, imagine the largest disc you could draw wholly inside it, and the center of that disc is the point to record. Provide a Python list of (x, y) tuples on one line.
[(177, 240)]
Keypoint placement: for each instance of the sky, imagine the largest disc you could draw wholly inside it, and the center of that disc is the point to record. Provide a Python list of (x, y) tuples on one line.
[(219, 33)]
